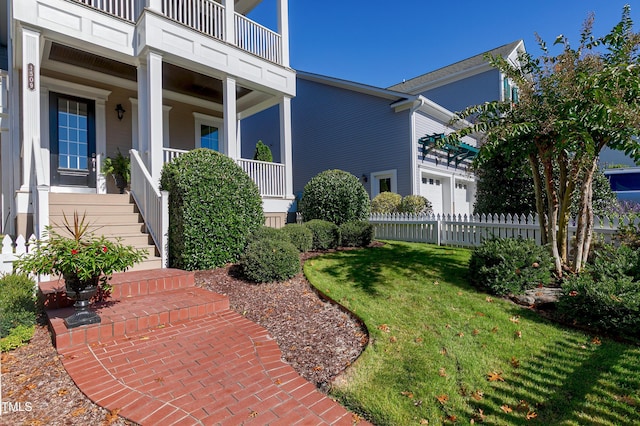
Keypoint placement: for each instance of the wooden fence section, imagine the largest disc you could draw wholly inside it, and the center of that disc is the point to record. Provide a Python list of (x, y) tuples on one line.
[(470, 231)]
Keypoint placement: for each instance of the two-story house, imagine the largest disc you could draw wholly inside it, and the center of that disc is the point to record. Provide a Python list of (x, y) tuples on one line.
[(84, 79), (378, 135), (471, 81)]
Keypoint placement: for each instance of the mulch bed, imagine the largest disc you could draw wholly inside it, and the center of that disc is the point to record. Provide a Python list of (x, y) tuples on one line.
[(318, 339)]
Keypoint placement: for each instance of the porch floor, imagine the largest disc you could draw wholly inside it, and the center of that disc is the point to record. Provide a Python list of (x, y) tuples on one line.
[(196, 363)]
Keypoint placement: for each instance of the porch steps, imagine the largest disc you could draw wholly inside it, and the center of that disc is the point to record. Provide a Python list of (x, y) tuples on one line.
[(141, 301), (112, 215)]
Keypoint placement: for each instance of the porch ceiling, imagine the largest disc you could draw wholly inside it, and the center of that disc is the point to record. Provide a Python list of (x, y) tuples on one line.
[(174, 78)]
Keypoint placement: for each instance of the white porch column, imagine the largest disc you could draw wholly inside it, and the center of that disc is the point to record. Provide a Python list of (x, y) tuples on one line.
[(154, 5), (6, 155), (286, 143), (229, 21), (101, 145), (231, 146), (30, 103), (150, 138), (283, 29)]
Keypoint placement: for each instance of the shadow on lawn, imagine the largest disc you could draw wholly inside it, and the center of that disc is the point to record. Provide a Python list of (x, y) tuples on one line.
[(570, 381), (364, 267)]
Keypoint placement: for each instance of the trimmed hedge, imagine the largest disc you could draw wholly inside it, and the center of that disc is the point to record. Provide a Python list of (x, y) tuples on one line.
[(415, 204), (335, 196), (268, 233), (356, 234), (386, 202), (17, 303), (299, 235), (326, 235), (267, 260), (213, 207), (263, 153), (510, 266)]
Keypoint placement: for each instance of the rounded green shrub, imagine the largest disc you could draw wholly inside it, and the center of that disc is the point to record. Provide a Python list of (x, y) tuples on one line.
[(17, 303), (299, 235), (267, 233), (213, 207), (415, 204), (335, 196), (510, 266), (356, 234), (386, 202), (267, 260), (326, 235)]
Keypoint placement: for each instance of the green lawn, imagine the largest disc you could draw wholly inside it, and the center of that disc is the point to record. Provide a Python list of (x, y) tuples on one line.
[(436, 342)]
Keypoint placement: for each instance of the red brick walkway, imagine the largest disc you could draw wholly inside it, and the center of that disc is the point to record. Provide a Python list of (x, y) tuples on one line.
[(219, 368)]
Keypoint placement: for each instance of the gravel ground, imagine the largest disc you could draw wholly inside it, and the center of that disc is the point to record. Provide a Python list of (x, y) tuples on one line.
[(316, 337)]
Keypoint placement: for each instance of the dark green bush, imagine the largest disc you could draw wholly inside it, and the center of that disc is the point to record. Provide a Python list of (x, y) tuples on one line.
[(326, 235), (606, 294), (263, 152), (299, 235), (17, 303), (213, 207), (335, 196), (610, 304), (507, 265), (386, 202), (629, 235), (267, 233), (415, 204), (356, 233), (270, 260)]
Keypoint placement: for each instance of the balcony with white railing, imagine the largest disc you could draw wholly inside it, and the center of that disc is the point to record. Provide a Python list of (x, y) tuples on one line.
[(205, 16), (270, 177)]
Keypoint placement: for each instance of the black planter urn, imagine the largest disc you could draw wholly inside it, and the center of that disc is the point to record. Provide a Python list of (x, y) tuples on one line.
[(82, 292)]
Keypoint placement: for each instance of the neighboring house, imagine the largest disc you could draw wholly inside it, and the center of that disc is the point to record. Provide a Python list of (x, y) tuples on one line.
[(625, 182), (469, 82), (377, 135), (81, 79)]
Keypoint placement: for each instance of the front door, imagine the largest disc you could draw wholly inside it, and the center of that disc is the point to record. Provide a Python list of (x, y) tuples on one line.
[(73, 141)]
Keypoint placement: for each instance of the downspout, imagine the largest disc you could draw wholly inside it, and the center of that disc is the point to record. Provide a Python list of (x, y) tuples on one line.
[(417, 104)]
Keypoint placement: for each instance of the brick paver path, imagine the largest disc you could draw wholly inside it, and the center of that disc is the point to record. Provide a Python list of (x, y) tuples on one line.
[(220, 369)]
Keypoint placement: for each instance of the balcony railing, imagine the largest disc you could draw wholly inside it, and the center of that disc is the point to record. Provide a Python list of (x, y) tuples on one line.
[(205, 16), (270, 177)]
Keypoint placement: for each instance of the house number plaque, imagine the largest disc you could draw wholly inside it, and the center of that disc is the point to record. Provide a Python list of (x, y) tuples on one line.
[(31, 77)]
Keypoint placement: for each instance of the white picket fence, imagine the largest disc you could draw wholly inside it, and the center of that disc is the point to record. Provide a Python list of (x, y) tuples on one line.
[(470, 231)]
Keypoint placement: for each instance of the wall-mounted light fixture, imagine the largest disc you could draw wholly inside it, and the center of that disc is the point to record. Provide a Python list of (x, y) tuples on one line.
[(364, 178), (120, 111)]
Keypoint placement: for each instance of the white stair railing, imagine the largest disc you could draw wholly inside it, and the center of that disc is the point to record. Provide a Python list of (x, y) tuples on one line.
[(152, 203)]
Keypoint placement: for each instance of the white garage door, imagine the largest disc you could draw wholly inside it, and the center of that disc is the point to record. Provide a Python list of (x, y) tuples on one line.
[(431, 188)]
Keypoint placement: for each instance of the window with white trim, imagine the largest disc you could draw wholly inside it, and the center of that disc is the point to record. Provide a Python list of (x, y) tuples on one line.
[(208, 131), (385, 181)]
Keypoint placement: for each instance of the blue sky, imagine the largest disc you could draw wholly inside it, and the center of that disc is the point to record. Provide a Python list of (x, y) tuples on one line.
[(383, 42)]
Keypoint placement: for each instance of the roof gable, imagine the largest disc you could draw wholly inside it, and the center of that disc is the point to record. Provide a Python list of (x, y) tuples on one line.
[(461, 69)]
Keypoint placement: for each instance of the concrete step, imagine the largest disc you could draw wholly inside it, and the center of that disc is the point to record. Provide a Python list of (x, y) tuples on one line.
[(140, 301)]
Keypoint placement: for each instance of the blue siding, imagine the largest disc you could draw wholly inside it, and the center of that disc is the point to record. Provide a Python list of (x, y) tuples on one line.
[(456, 96), (335, 128), (264, 126)]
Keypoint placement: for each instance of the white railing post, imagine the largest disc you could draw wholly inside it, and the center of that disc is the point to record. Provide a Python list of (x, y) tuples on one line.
[(164, 232), (153, 208)]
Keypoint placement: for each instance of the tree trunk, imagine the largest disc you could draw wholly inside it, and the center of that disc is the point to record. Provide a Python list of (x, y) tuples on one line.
[(565, 189), (552, 210), (537, 186), (585, 219)]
